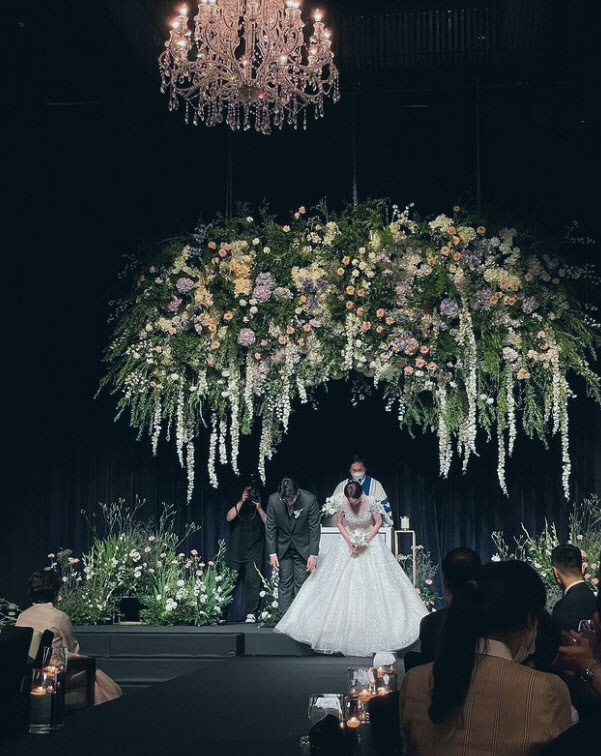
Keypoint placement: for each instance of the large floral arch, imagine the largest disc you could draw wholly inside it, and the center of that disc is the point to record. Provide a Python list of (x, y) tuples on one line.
[(462, 328)]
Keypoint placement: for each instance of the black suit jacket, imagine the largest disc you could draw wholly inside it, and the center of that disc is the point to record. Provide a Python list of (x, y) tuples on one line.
[(283, 529), (430, 634), (579, 603)]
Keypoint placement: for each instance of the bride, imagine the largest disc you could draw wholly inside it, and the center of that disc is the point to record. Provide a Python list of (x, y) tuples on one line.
[(358, 600)]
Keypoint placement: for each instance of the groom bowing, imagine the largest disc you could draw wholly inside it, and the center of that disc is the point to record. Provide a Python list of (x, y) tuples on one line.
[(293, 532)]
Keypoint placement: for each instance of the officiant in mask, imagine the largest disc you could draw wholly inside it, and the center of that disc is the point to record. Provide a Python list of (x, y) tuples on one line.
[(370, 486)]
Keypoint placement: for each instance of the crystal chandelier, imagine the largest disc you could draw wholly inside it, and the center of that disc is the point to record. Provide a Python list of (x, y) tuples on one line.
[(253, 62)]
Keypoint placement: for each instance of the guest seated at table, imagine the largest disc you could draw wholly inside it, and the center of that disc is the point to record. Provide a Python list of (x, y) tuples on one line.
[(458, 566), (44, 588), (578, 601), (477, 698), (580, 657)]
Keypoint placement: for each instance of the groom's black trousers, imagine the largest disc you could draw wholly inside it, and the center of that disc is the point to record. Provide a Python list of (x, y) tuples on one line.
[(293, 573)]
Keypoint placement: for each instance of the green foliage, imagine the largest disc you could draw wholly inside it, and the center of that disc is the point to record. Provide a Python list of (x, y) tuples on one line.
[(136, 558), (8, 612), (270, 613), (424, 575), (584, 531)]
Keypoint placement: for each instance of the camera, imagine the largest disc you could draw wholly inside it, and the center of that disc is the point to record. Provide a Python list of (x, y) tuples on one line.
[(254, 493)]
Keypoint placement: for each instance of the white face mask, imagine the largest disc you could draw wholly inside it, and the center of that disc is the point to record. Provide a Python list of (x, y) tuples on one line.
[(527, 647), (357, 476)]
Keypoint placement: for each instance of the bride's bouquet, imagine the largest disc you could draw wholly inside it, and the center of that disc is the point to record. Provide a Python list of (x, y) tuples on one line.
[(359, 540)]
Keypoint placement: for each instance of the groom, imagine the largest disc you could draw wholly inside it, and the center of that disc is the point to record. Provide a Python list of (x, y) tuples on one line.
[(293, 532)]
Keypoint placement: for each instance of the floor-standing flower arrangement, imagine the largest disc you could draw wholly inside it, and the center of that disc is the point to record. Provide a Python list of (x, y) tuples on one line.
[(270, 613), (186, 590), (584, 531), (425, 575), (469, 331)]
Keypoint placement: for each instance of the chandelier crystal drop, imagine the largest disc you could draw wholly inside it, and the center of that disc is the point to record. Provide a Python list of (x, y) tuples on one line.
[(250, 63)]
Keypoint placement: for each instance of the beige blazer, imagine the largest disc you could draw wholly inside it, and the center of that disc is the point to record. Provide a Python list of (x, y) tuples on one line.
[(510, 710), (47, 617)]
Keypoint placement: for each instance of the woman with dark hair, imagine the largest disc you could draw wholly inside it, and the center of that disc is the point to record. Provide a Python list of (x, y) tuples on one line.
[(477, 698), (44, 588), (358, 600)]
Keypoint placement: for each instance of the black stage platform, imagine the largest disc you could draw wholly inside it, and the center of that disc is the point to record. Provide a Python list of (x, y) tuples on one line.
[(256, 706), (136, 656)]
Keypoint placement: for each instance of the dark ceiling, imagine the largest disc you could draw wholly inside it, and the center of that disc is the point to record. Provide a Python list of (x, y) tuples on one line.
[(452, 100)]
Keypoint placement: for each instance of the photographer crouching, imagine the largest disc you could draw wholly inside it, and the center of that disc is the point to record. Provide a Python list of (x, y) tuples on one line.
[(246, 546)]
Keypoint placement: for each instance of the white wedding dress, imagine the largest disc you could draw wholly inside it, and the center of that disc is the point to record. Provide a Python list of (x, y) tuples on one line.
[(355, 605)]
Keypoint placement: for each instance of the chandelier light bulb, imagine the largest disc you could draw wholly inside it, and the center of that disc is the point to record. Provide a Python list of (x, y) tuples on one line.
[(284, 71)]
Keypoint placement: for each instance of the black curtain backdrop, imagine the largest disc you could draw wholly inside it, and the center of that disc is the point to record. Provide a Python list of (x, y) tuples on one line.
[(96, 165)]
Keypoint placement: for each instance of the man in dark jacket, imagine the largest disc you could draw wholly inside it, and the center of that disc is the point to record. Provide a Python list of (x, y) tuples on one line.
[(578, 601), (293, 531)]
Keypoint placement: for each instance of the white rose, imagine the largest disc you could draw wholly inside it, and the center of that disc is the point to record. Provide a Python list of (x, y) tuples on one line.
[(256, 242)]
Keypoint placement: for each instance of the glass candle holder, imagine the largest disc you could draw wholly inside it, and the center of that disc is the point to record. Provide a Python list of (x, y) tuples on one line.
[(41, 701), (326, 727), (322, 705), (57, 668), (356, 712), (386, 679), (361, 683)]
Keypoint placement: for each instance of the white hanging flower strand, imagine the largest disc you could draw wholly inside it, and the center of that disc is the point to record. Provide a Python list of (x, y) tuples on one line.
[(510, 398), (444, 437), (156, 431), (501, 458), (180, 428), (213, 452)]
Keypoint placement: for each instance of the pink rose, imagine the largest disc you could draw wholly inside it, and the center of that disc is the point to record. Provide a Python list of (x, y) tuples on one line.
[(419, 362), (428, 582), (580, 537), (408, 370), (596, 581), (147, 549)]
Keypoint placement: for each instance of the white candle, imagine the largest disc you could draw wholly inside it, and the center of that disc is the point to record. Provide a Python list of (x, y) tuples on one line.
[(404, 523)]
